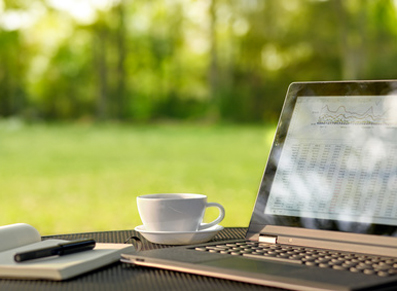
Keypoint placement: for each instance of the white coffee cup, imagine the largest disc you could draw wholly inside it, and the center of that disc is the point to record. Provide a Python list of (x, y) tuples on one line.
[(176, 211)]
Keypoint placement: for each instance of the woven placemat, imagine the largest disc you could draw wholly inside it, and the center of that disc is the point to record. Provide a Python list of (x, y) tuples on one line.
[(127, 277)]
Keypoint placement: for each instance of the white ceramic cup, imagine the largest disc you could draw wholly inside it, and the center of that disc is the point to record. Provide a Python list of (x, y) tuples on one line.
[(176, 211)]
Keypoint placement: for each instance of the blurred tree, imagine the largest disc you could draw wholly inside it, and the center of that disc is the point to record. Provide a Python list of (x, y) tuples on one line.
[(12, 71), (13, 65), (220, 59)]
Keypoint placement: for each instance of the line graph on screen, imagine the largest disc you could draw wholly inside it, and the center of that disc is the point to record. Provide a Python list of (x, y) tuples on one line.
[(359, 116)]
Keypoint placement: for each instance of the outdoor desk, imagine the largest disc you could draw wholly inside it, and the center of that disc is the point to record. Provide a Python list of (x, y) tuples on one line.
[(121, 276)]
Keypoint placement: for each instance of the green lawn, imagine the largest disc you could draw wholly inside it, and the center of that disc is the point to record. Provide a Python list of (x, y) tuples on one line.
[(82, 177)]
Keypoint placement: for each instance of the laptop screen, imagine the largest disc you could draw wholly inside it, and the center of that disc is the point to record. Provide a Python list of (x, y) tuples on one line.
[(333, 164)]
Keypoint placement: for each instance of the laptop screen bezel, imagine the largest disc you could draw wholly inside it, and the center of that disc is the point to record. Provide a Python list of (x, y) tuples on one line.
[(313, 89)]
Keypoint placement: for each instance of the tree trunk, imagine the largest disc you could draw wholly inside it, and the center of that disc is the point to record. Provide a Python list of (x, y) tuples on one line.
[(102, 72), (121, 74), (213, 72), (352, 40)]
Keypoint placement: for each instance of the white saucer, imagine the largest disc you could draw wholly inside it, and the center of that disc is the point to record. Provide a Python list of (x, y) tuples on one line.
[(179, 237)]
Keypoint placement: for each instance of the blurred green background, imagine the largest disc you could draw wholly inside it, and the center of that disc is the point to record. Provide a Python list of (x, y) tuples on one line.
[(104, 100)]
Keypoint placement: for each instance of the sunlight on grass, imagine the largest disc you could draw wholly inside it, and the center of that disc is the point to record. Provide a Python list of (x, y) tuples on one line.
[(75, 178)]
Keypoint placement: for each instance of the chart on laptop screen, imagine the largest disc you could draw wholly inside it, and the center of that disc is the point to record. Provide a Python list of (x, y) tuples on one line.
[(339, 161)]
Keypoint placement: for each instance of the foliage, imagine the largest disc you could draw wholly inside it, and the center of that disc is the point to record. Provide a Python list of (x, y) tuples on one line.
[(142, 60)]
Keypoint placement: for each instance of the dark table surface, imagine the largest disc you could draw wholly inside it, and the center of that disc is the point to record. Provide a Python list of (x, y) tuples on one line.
[(119, 276)]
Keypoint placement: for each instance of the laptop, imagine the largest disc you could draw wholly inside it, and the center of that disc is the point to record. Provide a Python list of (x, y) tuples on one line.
[(325, 217)]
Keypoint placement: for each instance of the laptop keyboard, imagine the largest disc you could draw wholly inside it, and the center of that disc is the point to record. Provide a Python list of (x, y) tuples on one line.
[(367, 264)]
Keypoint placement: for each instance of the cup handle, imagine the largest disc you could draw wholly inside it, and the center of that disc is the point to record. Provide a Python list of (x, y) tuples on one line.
[(216, 221)]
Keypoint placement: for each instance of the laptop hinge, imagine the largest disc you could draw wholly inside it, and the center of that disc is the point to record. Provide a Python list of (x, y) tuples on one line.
[(269, 239)]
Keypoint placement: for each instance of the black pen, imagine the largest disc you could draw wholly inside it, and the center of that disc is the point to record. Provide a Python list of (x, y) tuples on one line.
[(58, 250)]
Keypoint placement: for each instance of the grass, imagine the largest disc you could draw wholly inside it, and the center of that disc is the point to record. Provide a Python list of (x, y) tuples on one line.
[(81, 177)]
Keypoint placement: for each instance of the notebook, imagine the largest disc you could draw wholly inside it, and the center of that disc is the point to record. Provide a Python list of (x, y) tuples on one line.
[(22, 237), (325, 216)]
